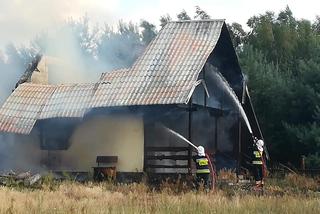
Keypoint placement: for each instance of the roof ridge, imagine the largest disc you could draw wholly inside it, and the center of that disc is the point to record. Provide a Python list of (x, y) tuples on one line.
[(201, 20), (60, 84), (115, 71)]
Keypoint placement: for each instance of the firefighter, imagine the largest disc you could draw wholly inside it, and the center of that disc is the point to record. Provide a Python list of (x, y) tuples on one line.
[(203, 171), (258, 163)]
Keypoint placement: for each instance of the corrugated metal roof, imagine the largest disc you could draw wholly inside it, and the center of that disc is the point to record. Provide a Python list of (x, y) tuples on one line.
[(108, 76), (23, 107), (68, 101), (166, 73), (31, 102)]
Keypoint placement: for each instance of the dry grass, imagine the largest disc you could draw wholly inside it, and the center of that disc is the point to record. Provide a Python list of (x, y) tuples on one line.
[(70, 197), (227, 174), (295, 184)]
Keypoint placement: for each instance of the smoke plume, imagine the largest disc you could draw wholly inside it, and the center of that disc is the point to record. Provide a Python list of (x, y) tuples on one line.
[(76, 52)]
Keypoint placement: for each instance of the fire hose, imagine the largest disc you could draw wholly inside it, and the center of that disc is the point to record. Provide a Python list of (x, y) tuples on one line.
[(213, 172), (264, 167)]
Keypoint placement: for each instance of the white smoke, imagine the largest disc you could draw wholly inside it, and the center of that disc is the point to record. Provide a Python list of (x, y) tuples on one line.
[(69, 61), (20, 21), (9, 75), (15, 153)]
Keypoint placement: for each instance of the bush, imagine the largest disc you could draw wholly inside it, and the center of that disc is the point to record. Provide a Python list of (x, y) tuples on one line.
[(313, 161)]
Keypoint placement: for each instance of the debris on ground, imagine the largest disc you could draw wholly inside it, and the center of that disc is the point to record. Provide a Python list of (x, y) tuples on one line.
[(23, 179)]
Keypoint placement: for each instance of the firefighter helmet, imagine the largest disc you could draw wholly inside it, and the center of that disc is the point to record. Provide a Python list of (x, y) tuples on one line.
[(260, 145), (201, 151)]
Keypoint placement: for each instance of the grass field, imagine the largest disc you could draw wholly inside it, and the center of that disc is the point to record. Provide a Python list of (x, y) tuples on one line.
[(294, 194)]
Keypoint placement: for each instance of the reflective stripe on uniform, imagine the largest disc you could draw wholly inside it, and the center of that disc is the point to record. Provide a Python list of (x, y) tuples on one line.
[(257, 154), (200, 171), (257, 162), (202, 161)]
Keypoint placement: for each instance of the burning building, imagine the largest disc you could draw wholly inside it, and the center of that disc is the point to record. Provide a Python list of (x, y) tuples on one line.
[(123, 118)]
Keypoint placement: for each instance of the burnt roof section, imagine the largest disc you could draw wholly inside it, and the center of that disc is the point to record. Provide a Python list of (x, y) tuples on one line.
[(108, 76), (26, 76), (166, 73)]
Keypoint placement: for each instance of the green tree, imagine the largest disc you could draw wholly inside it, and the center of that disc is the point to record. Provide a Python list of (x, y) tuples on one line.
[(120, 48), (237, 34), (164, 20), (148, 31), (201, 14), (183, 15), (281, 56), (316, 25)]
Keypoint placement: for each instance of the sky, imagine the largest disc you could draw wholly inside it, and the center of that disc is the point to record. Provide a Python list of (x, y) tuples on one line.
[(21, 20)]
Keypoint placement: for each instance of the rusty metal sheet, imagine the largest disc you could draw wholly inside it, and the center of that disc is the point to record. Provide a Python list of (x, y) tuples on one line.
[(68, 101), (21, 110), (167, 70)]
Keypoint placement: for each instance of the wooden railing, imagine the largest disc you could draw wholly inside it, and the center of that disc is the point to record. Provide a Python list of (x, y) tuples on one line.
[(157, 153)]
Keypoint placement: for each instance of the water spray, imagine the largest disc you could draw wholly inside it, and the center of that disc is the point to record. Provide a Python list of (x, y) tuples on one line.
[(181, 137), (227, 88)]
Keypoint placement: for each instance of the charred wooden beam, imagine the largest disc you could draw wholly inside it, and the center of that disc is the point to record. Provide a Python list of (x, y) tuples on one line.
[(167, 166), (166, 149), (168, 157)]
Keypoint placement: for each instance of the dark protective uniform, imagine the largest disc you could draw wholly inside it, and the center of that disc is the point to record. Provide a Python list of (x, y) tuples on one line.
[(203, 171), (257, 164)]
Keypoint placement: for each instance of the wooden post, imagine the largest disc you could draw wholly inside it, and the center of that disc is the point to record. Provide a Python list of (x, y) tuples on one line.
[(190, 137), (204, 90), (216, 134), (303, 165), (144, 148)]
